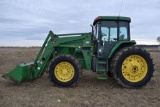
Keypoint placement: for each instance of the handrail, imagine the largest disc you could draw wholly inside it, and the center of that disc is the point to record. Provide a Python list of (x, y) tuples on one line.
[(71, 34)]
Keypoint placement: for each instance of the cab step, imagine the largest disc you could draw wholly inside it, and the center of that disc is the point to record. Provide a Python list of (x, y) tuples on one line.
[(101, 74), (102, 62), (102, 77), (101, 70)]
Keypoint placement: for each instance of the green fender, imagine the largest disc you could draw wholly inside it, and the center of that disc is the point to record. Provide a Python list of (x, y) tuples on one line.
[(120, 43)]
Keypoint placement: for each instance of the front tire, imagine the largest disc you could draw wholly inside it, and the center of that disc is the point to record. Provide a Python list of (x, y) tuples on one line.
[(132, 67), (65, 70)]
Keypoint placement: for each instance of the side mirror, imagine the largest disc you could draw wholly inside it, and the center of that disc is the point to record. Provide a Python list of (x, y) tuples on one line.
[(92, 35)]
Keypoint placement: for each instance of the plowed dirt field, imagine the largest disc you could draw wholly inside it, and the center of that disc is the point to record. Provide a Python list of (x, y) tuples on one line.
[(89, 92)]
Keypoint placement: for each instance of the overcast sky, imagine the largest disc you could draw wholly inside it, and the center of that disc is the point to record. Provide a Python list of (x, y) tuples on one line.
[(27, 22)]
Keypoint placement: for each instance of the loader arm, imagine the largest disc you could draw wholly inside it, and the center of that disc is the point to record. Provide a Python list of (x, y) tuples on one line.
[(42, 60)]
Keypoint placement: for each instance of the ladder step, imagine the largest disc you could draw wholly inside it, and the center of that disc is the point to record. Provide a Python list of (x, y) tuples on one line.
[(102, 62), (101, 77), (101, 70)]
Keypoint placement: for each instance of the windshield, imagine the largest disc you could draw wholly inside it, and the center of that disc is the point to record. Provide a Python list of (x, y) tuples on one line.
[(109, 31)]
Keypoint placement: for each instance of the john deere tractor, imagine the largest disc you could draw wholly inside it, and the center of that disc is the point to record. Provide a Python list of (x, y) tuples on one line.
[(107, 50)]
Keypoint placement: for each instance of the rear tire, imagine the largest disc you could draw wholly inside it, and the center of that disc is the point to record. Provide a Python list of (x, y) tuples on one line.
[(65, 70), (132, 67)]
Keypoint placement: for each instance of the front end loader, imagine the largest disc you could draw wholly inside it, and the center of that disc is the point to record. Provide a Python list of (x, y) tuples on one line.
[(106, 50), (32, 70)]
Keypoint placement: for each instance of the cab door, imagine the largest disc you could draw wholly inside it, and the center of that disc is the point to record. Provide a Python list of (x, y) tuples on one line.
[(108, 37)]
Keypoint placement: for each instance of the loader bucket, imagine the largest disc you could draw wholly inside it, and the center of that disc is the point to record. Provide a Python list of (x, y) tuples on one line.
[(21, 73)]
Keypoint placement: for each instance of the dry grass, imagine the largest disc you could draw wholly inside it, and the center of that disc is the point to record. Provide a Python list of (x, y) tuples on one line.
[(89, 92)]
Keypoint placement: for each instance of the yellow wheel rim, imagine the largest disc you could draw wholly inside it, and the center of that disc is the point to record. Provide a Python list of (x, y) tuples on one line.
[(134, 68), (64, 71)]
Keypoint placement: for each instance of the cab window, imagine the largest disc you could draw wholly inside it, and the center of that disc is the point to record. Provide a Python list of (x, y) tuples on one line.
[(123, 31)]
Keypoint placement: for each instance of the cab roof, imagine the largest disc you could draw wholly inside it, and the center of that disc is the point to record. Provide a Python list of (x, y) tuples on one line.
[(114, 18)]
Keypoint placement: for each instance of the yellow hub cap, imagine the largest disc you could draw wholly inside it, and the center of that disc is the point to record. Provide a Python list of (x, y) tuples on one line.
[(64, 71), (134, 68)]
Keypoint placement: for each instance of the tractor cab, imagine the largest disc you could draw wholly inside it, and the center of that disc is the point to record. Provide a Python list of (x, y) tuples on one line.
[(107, 31)]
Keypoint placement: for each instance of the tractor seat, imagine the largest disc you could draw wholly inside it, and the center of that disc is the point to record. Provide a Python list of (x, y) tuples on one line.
[(121, 37)]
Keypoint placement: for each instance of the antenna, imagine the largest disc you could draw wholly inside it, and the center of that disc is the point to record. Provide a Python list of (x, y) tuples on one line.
[(120, 7)]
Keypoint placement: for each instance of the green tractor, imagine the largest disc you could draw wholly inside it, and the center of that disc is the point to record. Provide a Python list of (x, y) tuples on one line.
[(106, 50)]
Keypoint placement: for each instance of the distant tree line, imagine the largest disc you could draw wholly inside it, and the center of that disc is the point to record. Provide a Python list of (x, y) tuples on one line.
[(158, 39), (20, 46)]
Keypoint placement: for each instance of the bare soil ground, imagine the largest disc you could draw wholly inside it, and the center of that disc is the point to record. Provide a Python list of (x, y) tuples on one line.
[(89, 92)]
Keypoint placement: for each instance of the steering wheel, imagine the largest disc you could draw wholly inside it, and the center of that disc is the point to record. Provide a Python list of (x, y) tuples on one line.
[(103, 34)]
